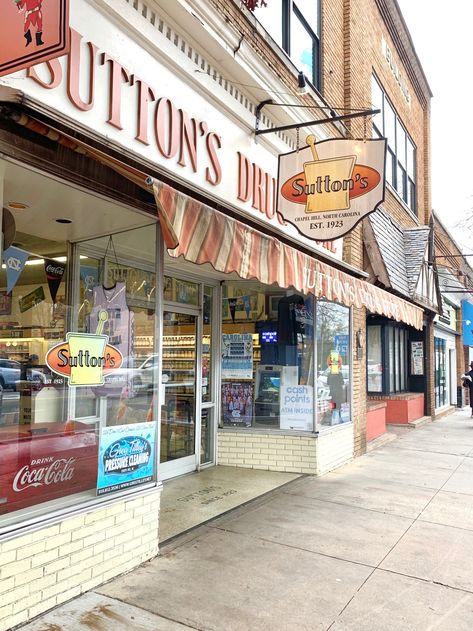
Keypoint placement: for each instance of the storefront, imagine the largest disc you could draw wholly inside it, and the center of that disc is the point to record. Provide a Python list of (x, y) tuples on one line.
[(447, 340), (157, 316), (398, 356)]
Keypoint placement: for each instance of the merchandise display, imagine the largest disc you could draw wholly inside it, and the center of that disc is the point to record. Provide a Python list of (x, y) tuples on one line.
[(291, 335), (120, 324)]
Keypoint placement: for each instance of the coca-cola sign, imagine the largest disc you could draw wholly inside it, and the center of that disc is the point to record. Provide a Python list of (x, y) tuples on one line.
[(43, 472), (47, 465), (54, 273)]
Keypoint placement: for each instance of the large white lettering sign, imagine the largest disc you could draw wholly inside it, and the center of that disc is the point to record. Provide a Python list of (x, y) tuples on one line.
[(112, 83)]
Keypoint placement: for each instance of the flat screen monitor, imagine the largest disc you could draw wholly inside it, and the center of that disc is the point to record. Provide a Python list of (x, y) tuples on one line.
[(270, 381)]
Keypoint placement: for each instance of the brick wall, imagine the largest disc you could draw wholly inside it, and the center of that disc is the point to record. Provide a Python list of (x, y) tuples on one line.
[(305, 453), (51, 565), (352, 31), (359, 383)]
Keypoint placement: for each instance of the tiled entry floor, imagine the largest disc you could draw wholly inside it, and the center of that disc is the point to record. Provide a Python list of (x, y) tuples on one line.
[(193, 499)]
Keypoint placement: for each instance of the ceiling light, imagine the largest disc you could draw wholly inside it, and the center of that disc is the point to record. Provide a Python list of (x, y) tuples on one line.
[(63, 220), (17, 205)]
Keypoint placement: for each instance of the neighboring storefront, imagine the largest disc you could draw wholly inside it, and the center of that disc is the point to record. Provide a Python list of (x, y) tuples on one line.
[(447, 340), (453, 325), (397, 366)]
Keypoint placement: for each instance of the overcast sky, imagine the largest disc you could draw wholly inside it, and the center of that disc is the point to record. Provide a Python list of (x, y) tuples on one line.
[(443, 38)]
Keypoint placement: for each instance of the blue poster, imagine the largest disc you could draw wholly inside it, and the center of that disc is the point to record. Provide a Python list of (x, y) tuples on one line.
[(127, 456), (467, 315), (341, 344)]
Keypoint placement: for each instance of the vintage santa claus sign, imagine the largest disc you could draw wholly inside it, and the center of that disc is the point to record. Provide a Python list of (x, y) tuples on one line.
[(32, 31)]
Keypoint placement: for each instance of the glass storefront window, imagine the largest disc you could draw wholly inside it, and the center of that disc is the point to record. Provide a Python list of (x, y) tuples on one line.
[(267, 370), (208, 412), (440, 384), (374, 359), (402, 355), (183, 291), (77, 371), (386, 362), (207, 368), (397, 360), (392, 386), (333, 363)]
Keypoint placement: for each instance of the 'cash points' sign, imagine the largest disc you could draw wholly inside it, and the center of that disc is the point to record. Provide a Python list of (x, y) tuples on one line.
[(324, 190)]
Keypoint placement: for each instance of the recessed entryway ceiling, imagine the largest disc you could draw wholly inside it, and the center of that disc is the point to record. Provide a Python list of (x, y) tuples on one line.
[(48, 199)]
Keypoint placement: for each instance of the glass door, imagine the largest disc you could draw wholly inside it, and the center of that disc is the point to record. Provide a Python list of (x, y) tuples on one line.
[(207, 369), (178, 411)]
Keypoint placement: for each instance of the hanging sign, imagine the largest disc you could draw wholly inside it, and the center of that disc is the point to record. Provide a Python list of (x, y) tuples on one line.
[(32, 31), (54, 273), (85, 358), (15, 261), (325, 189)]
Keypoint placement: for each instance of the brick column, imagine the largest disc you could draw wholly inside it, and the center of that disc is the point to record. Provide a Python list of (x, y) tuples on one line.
[(359, 384), (430, 368)]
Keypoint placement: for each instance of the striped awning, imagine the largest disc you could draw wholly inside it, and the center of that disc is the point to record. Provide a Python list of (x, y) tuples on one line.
[(201, 234)]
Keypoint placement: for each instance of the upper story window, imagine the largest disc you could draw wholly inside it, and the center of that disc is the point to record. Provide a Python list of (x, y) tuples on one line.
[(401, 158), (449, 313), (294, 25)]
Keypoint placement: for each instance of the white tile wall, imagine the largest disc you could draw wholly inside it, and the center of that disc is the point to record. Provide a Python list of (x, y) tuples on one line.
[(286, 452), (42, 569)]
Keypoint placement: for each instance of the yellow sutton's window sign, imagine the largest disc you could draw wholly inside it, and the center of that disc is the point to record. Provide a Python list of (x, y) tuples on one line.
[(85, 358)]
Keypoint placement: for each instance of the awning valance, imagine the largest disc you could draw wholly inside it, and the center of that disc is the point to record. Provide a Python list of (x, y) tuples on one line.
[(201, 234), (205, 235)]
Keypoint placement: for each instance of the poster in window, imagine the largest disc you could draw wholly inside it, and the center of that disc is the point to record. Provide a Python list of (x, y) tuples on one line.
[(237, 356), (417, 358), (126, 456), (237, 404), (5, 303)]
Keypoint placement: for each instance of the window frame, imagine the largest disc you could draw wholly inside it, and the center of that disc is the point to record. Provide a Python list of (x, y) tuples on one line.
[(399, 177), (393, 356), (289, 11)]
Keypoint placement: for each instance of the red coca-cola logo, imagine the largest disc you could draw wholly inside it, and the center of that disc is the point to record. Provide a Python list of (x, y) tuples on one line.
[(43, 472)]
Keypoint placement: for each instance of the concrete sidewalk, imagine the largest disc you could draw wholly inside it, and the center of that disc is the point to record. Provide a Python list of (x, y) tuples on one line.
[(384, 543)]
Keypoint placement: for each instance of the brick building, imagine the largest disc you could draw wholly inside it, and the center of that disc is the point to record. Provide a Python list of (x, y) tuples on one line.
[(185, 333)]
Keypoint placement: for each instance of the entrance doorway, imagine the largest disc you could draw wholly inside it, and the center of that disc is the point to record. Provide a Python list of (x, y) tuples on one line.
[(180, 409)]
